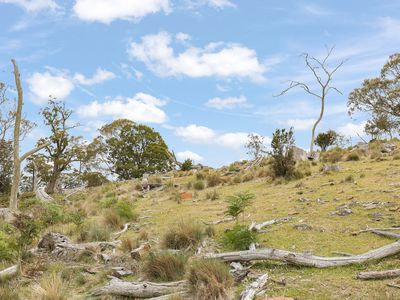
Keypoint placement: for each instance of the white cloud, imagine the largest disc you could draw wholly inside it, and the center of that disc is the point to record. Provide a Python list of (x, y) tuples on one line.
[(204, 135), (227, 103), (34, 5), (224, 60), (218, 4), (300, 124), (141, 108), (106, 11), (100, 76), (352, 130), (182, 156), (44, 85), (196, 134)]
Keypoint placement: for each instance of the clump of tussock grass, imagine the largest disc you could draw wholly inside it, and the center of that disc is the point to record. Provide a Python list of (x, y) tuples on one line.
[(199, 185), (185, 235), (164, 266), (210, 279), (52, 287)]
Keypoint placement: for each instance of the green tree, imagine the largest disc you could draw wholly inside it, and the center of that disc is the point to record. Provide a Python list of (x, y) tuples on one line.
[(327, 139), (282, 145), (187, 165), (132, 149), (379, 96), (237, 203), (255, 145), (64, 148), (381, 125)]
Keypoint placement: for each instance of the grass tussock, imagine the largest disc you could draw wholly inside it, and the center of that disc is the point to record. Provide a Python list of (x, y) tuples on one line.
[(210, 279), (164, 267), (186, 235), (52, 287)]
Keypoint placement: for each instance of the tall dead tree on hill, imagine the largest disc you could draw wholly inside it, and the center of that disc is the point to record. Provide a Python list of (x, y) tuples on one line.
[(17, 159), (323, 75)]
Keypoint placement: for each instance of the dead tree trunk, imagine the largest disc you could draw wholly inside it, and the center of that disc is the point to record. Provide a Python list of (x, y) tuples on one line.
[(117, 287), (303, 259), (379, 274), (250, 292), (17, 133), (9, 272)]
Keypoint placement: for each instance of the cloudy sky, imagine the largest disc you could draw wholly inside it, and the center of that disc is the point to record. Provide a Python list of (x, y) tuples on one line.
[(202, 72)]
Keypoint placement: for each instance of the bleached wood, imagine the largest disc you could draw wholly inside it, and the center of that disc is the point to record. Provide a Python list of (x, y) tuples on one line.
[(250, 292)]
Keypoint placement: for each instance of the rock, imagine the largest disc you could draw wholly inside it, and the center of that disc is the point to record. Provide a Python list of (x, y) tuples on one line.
[(121, 272), (299, 154), (186, 196), (362, 146), (376, 216), (331, 168), (343, 212), (388, 148), (7, 215), (50, 240), (302, 227), (372, 204)]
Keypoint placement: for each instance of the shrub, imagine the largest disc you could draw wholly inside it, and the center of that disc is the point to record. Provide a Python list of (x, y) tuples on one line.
[(212, 195), (213, 179), (28, 230), (184, 235), (199, 185), (128, 244), (187, 165), (210, 279), (164, 267), (8, 247), (332, 156), (326, 139), (210, 231), (237, 179), (303, 169), (92, 232), (112, 219), (125, 211), (237, 203), (93, 179), (349, 179), (77, 217), (200, 176), (353, 156), (282, 153), (53, 214), (239, 238)]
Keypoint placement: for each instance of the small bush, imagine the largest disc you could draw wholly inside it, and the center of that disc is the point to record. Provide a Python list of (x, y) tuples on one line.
[(237, 179), (199, 185), (238, 203), (213, 179), (164, 267), (200, 176), (282, 144), (112, 219), (349, 179), (77, 217), (353, 156), (93, 179), (187, 165), (332, 156), (239, 238), (210, 279), (125, 211), (92, 232), (8, 247), (184, 235), (52, 214), (212, 195), (28, 230)]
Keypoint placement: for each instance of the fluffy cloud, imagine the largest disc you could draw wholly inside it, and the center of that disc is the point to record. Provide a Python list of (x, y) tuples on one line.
[(100, 76), (34, 5), (182, 156), (352, 130), (141, 108), (106, 11), (196, 134), (224, 60), (204, 135), (218, 4), (227, 103), (43, 85)]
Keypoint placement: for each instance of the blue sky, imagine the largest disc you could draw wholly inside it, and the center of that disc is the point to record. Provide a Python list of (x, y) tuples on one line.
[(202, 72)]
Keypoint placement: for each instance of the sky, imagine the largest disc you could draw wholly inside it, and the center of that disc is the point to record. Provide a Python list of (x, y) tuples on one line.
[(204, 73)]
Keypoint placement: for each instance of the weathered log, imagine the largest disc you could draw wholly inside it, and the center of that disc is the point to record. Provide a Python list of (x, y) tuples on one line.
[(250, 292), (238, 271), (9, 272), (185, 295), (370, 229), (386, 233), (138, 252), (257, 227), (42, 195), (303, 259), (228, 219), (117, 287), (126, 227), (121, 272), (379, 274)]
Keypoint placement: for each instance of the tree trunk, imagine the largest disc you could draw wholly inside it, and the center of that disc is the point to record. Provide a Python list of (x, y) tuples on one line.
[(17, 132), (250, 292), (317, 122), (302, 259), (116, 287), (53, 180)]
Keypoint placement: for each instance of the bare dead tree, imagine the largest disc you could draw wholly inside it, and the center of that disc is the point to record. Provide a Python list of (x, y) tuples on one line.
[(17, 135), (323, 75)]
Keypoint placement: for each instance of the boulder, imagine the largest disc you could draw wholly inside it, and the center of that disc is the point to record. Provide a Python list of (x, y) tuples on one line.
[(388, 148), (362, 146), (299, 154)]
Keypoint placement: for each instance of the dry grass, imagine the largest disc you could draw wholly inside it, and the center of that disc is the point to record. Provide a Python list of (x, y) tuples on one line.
[(164, 267), (52, 287), (210, 279), (182, 236)]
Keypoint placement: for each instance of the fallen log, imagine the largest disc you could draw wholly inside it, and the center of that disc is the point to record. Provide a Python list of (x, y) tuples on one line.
[(257, 227), (379, 274), (137, 253), (304, 259), (126, 227), (9, 272), (117, 287), (369, 230), (220, 221), (178, 295), (250, 292), (238, 272), (386, 234)]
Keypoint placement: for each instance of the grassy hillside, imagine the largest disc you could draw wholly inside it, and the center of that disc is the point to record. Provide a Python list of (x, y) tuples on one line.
[(367, 185)]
